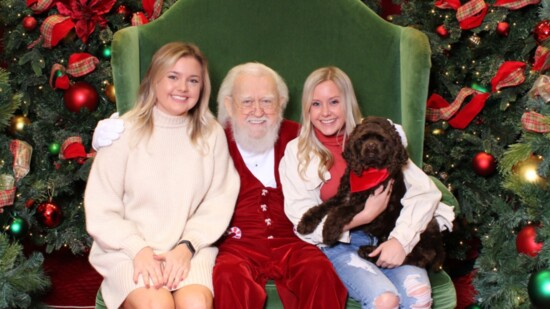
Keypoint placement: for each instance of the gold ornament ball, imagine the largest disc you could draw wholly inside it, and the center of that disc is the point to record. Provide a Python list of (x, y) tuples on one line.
[(110, 93), (18, 124), (527, 170), (438, 131)]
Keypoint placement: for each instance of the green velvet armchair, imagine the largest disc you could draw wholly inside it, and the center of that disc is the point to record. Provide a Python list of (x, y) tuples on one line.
[(388, 64)]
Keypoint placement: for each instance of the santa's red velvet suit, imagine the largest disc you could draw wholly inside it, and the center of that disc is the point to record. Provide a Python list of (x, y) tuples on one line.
[(261, 246)]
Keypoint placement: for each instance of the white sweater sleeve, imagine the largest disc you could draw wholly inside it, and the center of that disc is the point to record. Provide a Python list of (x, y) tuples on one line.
[(216, 208), (103, 202), (302, 194), (419, 204)]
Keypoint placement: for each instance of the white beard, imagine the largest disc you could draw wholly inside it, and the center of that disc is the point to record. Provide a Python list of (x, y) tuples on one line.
[(254, 144)]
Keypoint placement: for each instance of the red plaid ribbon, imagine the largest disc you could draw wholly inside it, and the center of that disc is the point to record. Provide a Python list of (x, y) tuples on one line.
[(436, 111), (510, 73), (6, 197), (440, 109), (448, 4), (53, 29), (81, 64), (541, 88), (7, 191), (59, 82), (139, 19), (535, 122), (39, 6), (541, 59), (72, 148), (22, 153), (515, 4), (152, 8), (471, 14)]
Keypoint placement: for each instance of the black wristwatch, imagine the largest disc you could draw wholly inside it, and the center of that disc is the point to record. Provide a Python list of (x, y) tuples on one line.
[(188, 244)]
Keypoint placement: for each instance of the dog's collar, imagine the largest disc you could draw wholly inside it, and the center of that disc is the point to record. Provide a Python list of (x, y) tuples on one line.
[(370, 178)]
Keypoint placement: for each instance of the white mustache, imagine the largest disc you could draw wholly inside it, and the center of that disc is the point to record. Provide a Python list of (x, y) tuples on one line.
[(255, 119)]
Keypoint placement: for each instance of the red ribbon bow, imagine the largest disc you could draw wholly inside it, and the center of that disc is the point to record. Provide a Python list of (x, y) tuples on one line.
[(515, 4), (471, 14), (80, 64), (440, 109), (510, 73), (370, 178), (535, 122), (39, 6), (72, 148)]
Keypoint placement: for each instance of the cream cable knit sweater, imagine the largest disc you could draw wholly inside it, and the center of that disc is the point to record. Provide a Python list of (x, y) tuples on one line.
[(155, 194)]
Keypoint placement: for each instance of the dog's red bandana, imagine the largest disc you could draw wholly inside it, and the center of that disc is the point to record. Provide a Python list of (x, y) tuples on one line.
[(370, 178)]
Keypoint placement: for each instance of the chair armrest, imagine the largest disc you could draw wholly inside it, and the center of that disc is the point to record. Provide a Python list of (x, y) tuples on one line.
[(446, 196)]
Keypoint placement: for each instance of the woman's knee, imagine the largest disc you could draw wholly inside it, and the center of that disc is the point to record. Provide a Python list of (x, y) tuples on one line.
[(386, 300), (194, 296), (420, 292), (143, 298)]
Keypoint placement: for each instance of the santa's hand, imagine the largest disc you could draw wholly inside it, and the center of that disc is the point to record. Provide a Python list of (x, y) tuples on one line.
[(106, 131)]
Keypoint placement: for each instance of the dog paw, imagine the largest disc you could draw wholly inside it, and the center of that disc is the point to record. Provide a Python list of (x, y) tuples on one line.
[(305, 226), (331, 233)]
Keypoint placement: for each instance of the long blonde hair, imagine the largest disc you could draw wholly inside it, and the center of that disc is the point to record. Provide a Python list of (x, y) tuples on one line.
[(309, 145), (165, 58)]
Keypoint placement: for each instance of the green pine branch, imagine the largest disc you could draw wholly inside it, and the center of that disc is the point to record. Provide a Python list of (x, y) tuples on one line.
[(20, 277)]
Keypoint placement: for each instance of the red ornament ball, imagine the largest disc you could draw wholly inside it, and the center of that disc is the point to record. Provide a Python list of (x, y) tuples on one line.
[(29, 23), (81, 95), (542, 31), (124, 12), (484, 164), (442, 32), (49, 214), (29, 203), (525, 241), (503, 28)]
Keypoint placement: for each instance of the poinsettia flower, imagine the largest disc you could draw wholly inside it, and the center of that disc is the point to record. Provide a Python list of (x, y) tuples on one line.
[(86, 14)]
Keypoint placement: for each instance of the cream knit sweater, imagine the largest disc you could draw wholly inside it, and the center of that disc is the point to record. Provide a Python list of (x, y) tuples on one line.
[(154, 194)]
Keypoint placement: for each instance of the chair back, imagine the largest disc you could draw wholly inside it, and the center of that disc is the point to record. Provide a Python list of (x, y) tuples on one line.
[(388, 64)]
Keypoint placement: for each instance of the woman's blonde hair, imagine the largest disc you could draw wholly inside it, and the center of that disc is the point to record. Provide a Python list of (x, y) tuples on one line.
[(163, 60), (309, 145)]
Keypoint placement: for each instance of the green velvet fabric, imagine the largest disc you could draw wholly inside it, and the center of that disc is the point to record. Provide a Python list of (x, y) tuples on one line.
[(388, 64)]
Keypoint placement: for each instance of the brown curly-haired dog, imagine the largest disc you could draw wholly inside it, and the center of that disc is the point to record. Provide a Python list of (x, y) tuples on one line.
[(374, 144)]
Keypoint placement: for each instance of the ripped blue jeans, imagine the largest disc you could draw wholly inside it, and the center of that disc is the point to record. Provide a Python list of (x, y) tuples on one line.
[(365, 281)]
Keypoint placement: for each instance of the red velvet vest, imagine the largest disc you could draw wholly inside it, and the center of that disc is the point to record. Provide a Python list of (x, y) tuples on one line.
[(259, 213)]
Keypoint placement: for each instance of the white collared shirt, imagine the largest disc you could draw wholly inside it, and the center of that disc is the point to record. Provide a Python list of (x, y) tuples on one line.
[(262, 165)]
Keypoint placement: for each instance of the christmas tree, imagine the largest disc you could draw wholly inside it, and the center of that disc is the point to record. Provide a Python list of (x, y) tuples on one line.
[(487, 137)]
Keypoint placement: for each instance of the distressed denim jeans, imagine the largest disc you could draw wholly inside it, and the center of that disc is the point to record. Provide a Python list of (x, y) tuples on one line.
[(365, 281)]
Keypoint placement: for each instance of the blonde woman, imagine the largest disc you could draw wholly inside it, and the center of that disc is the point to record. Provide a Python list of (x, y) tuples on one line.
[(164, 192), (310, 174)]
